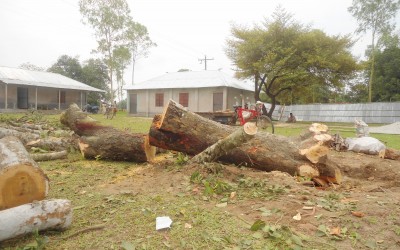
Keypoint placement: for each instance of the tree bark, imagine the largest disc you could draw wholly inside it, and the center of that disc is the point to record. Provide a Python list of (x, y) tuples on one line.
[(390, 153), (24, 137), (222, 147), (50, 156), (107, 143), (181, 130), (21, 179), (46, 214)]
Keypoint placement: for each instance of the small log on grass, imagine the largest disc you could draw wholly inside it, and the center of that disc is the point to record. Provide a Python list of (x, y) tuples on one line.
[(50, 156), (21, 179), (107, 143), (222, 147), (41, 215)]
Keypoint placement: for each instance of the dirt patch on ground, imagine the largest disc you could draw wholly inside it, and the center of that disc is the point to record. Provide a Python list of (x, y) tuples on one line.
[(363, 211)]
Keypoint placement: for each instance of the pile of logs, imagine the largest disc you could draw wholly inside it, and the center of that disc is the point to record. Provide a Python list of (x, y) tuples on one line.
[(23, 184), (23, 188), (178, 129), (181, 130)]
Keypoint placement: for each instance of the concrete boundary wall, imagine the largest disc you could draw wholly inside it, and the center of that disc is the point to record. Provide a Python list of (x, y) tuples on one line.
[(383, 112)]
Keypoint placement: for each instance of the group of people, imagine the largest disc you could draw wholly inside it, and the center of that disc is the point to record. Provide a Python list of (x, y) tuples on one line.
[(262, 110)]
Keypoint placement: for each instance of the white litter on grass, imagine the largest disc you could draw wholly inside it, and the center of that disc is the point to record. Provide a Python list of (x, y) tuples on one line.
[(393, 129), (163, 222)]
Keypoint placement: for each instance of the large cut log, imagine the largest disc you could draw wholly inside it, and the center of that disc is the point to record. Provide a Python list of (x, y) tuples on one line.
[(21, 179), (40, 215), (181, 130), (225, 145), (107, 143)]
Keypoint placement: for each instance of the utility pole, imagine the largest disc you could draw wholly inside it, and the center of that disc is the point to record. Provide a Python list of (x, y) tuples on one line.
[(205, 61)]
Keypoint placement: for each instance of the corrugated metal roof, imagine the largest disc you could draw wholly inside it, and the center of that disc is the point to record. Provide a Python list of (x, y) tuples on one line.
[(41, 79), (192, 79)]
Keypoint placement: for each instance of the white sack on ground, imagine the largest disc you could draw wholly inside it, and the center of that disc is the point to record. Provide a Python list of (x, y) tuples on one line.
[(366, 145)]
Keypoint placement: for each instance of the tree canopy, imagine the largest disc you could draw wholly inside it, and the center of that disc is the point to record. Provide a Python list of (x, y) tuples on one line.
[(119, 38), (375, 16), (93, 73), (283, 56)]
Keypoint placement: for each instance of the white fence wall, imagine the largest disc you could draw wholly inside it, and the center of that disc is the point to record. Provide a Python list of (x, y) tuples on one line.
[(383, 112)]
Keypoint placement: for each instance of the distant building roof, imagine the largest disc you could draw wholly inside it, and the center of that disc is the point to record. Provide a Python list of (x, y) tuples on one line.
[(192, 79), (41, 79)]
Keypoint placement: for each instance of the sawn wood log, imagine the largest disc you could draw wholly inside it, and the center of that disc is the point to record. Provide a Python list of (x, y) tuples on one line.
[(102, 142), (21, 179), (40, 215)]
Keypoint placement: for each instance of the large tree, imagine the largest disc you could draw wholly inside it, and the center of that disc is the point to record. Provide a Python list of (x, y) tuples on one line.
[(95, 74), (375, 16), (282, 56), (109, 19), (67, 66), (387, 75), (139, 43)]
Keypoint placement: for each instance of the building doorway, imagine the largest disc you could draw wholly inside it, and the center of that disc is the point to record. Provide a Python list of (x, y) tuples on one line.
[(22, 98), (218, 101), (133, 103)]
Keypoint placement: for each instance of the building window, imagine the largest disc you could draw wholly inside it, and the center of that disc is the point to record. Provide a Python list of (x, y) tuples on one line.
[(159, 99), (184, 99)]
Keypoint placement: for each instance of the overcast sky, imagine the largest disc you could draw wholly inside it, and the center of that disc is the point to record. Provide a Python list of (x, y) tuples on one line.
[(39, 31)]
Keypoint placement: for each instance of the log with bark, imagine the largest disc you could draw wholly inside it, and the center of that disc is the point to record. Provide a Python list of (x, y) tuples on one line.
[(222, 147), (181, 130), (102, 142), (41, 215), (21, 179), (50, 156)]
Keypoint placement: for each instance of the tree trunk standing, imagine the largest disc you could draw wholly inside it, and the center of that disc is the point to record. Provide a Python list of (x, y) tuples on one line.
[(41, 215), (21, 179), (101, 142), (181, 130)]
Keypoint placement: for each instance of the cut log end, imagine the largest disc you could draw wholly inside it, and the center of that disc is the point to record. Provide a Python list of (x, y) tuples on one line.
[(315, 153), (318, 128), (307, 170), (250, 128), (149, 150), (22, 184)]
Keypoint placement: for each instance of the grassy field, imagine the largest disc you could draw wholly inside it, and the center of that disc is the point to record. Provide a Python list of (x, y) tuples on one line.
[(125, 198)]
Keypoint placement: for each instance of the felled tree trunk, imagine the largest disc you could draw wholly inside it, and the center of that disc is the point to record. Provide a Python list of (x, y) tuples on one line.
[(24, 137), (41, 215), (222, 147), (21, 179), (181, 130), (101, 142)]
